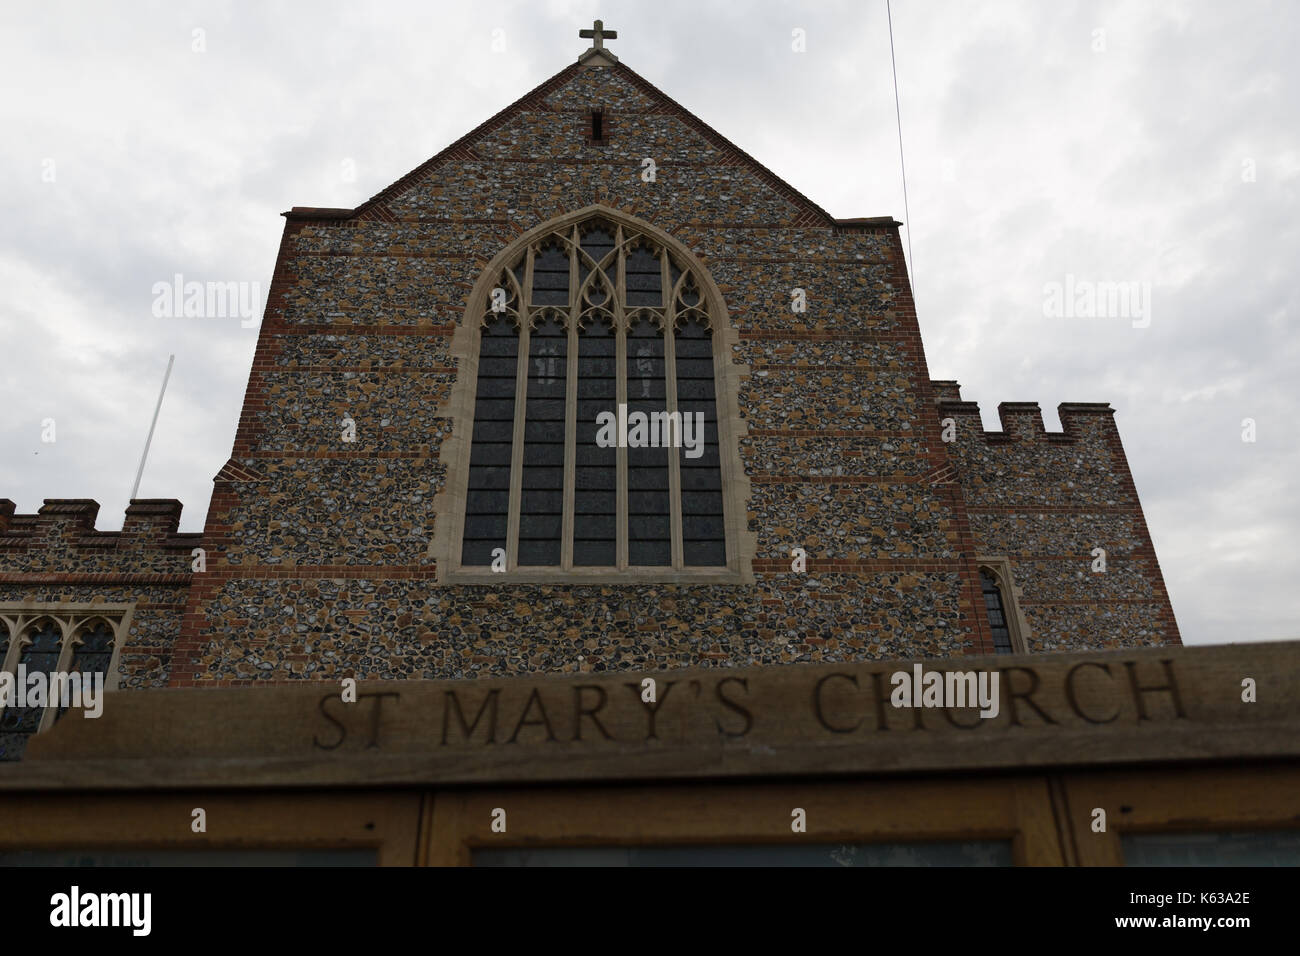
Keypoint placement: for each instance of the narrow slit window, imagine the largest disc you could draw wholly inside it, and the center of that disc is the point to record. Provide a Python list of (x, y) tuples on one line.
[(997, 612)]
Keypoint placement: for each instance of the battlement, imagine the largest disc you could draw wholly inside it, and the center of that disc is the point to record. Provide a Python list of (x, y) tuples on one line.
[(56, 558), (1024, 464), (946, 391), (69, 523), (1023, 421)]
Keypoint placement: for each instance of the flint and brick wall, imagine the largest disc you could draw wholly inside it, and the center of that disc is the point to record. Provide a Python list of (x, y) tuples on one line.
[(57, 556), (318, 551), (322, 566), (1046, 500)]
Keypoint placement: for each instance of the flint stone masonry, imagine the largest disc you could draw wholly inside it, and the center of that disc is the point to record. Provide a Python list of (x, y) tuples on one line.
[(1046, 500), (323, 555), (328, 628), (355, 511), (305, 410), (834, 456), (57, 557)]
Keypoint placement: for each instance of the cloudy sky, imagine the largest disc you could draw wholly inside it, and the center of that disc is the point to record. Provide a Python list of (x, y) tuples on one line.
[(1150, 143)]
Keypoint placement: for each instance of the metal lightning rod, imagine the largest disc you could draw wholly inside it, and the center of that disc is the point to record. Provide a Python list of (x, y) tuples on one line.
[(140, 471)]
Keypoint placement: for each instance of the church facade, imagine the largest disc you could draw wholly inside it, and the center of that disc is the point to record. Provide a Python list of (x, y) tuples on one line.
[(590, 391), (610, 467)]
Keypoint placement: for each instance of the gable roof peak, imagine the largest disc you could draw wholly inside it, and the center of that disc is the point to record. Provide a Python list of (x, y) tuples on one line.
[(806, 212)]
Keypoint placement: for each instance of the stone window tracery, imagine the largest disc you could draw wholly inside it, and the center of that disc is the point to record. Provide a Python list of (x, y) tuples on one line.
[(595, 439), (49, 638)]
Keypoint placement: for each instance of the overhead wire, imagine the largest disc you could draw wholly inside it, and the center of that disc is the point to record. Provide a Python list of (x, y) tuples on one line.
[(898, 114)]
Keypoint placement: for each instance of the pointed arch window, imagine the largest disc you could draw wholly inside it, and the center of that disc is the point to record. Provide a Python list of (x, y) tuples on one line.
[(50, 639), (38, 653), (595, 443), (1009, 628)]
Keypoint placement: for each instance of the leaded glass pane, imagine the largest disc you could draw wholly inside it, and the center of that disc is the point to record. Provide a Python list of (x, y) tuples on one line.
[(649, 531), (95, 649), (997, 615), (551, 276), (704, 539), (40, 654), (644, 276), (597, 243), (632, 266), (92, 654), (595, 511), (487, 496), (541, 507)]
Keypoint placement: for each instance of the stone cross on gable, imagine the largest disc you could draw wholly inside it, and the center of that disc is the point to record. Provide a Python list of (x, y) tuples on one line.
[(597, 35)]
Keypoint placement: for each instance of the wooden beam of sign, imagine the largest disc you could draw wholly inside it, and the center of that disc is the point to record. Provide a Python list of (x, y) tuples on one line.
[(1149, 706)]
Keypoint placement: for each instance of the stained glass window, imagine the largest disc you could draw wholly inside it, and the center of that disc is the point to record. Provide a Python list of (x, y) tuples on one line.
[(57, 641), (595, 439), (92, 652), (40, 654), (541, 502), (996, 611)]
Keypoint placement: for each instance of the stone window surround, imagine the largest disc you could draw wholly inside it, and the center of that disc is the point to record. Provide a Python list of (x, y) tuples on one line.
[(72, 617), (449, 505), (1017, 624)]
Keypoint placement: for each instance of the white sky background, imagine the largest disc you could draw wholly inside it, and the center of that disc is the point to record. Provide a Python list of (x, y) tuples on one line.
[(1030, 155)]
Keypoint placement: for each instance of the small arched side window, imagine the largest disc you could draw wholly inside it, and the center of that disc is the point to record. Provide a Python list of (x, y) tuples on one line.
[(1009, 628)]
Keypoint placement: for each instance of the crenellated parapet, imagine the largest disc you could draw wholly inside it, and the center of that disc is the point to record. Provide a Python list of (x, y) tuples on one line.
[(61, 538), (1051, 503), (54, 561), (946, 391), (1083, 464), (1023, 421)]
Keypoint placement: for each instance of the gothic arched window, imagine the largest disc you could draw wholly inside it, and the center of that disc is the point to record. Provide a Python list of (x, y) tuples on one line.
[(39, 651), (67, 643), (1009, 627), (92, 651), (594, 444)]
